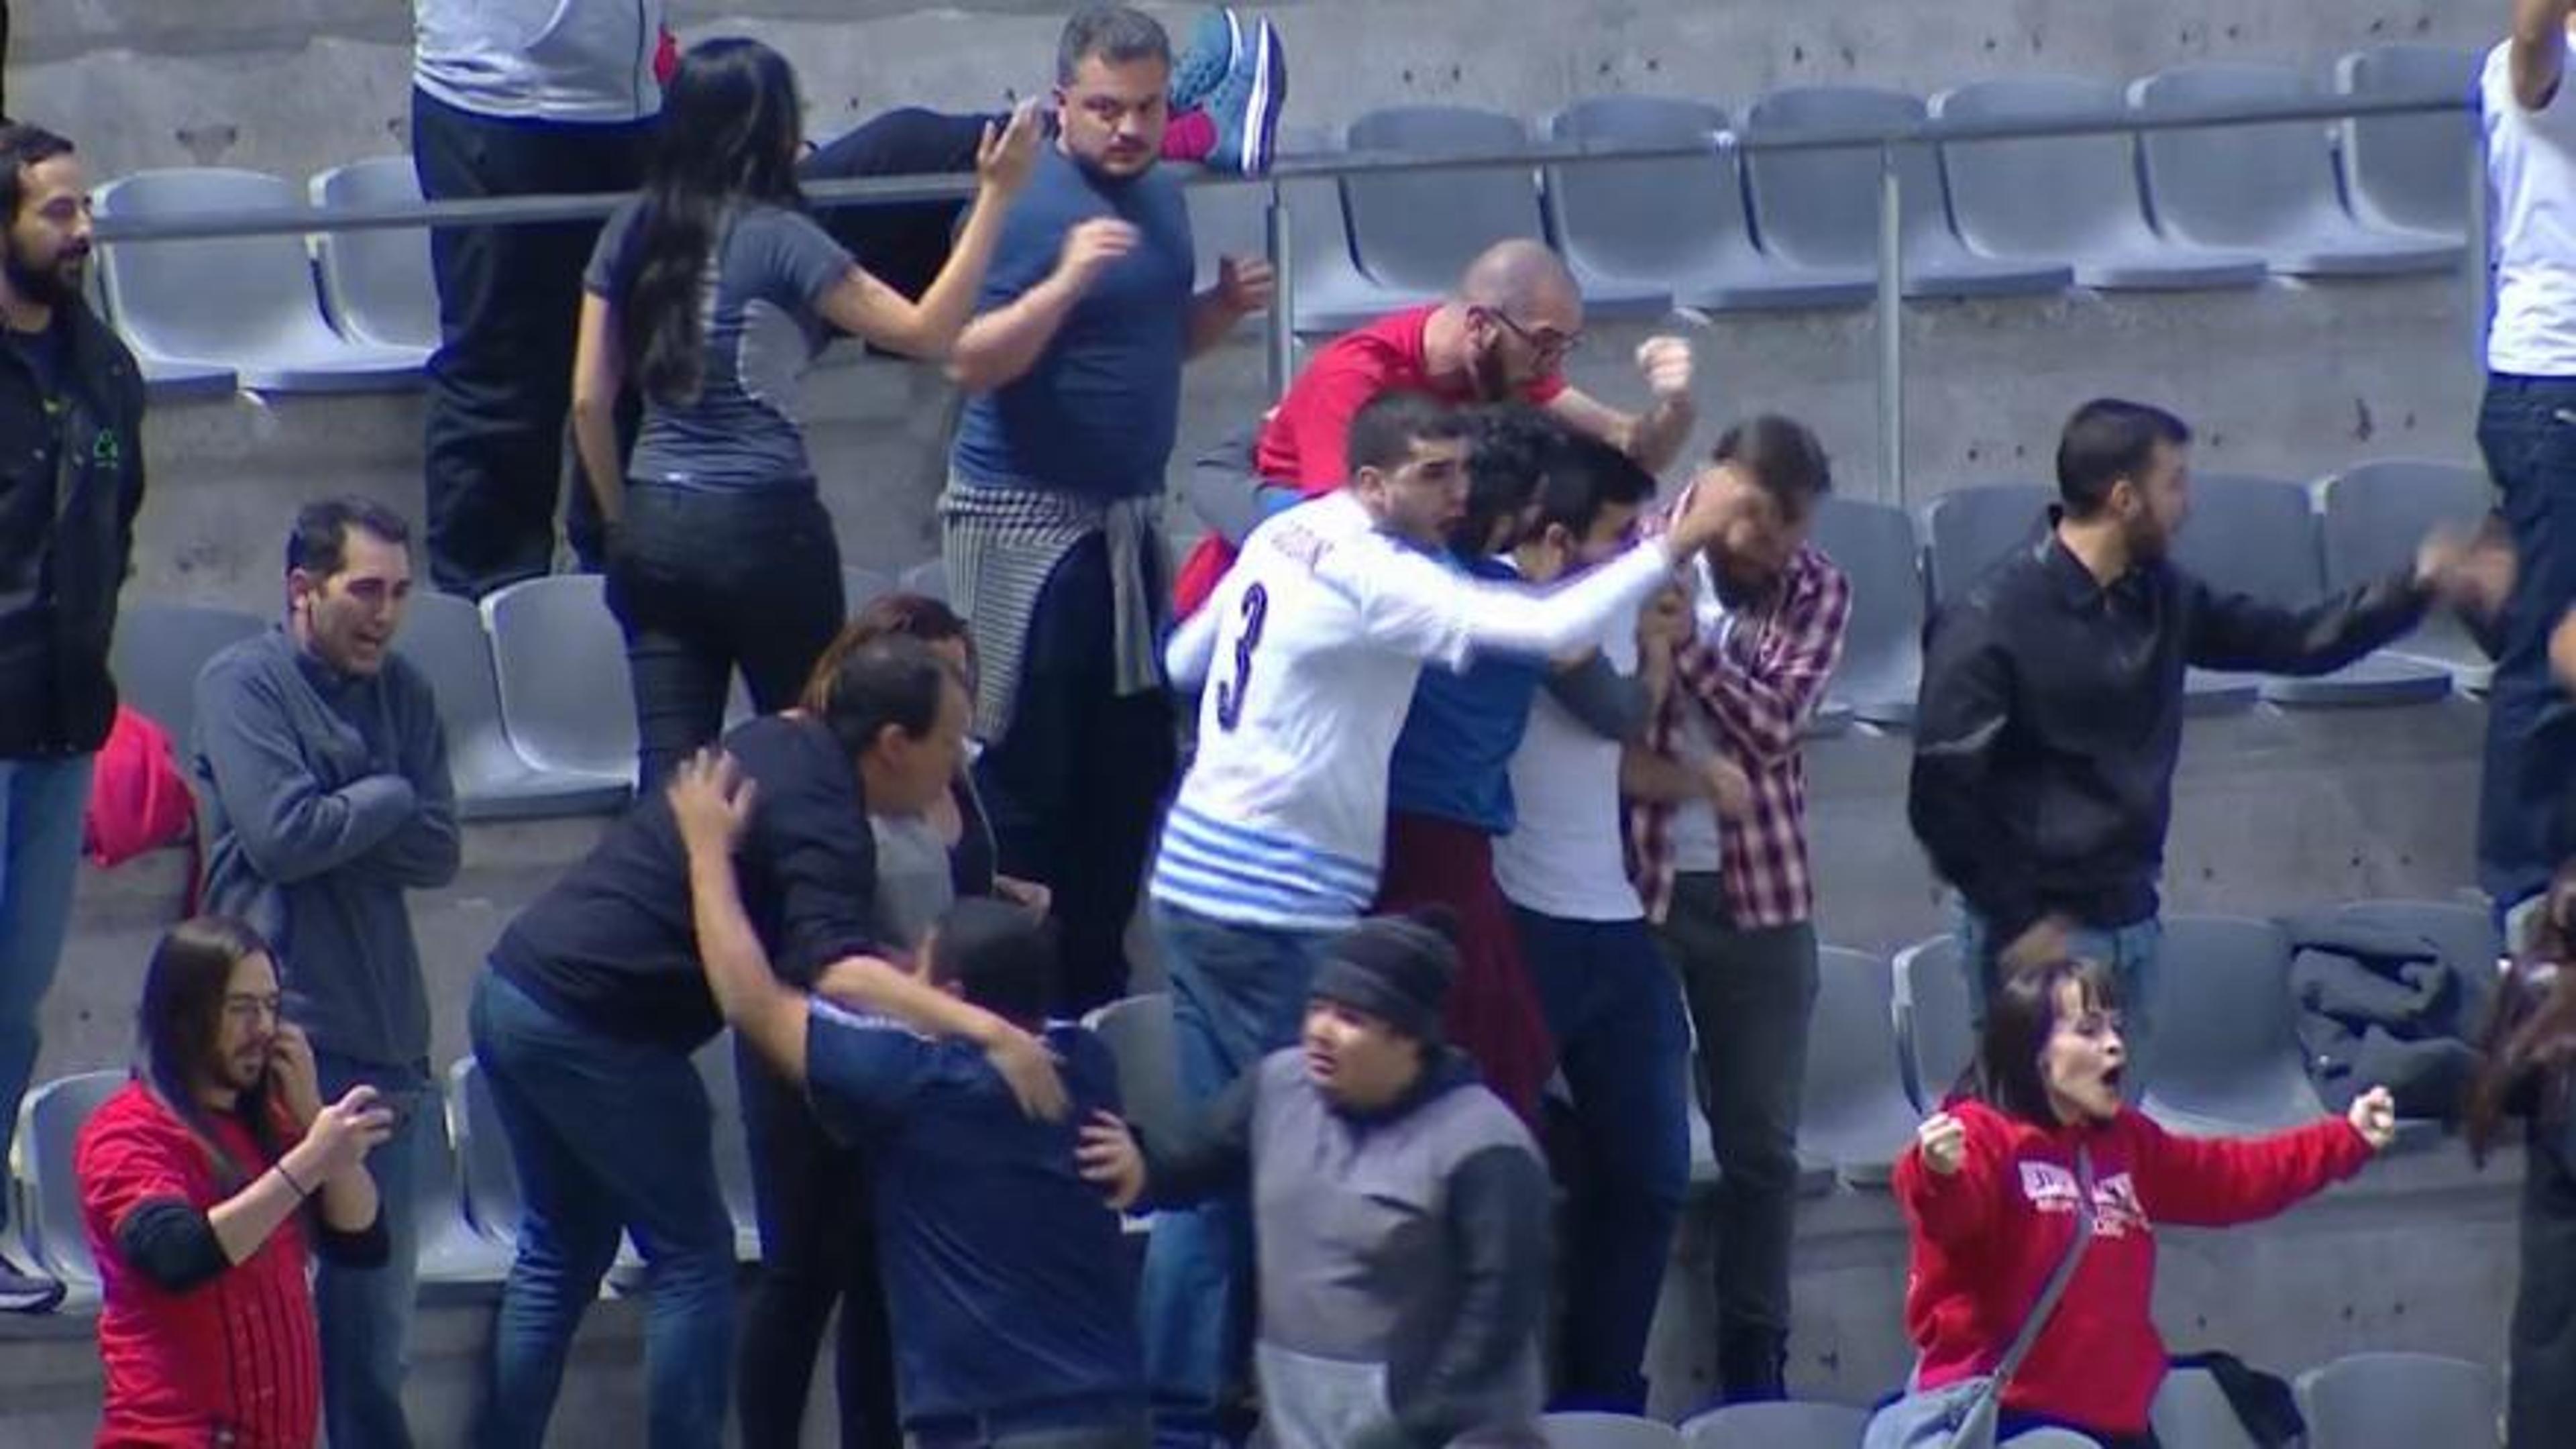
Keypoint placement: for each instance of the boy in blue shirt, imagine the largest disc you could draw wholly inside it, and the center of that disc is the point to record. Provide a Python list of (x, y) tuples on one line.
[(1012, 1294)]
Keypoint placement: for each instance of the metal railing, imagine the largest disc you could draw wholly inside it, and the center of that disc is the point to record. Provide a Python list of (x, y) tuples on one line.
[(1889, 141)]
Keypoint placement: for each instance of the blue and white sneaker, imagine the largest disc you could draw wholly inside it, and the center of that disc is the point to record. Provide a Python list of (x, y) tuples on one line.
[(1246, 106), (1201, 68)]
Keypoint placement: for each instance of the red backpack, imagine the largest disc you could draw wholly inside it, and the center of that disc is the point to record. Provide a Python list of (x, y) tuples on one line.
[(138, 799)]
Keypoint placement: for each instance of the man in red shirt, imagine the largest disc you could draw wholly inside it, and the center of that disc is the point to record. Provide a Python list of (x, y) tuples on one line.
[(202, 1182), (1503, 337)]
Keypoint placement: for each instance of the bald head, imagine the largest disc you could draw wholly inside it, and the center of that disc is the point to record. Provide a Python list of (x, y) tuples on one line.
[(1523, 278)]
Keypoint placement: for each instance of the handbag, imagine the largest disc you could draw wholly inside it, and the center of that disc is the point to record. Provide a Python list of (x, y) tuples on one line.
[(1962, 1415)]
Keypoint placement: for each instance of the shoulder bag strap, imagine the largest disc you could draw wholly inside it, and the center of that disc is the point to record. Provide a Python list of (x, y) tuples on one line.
[(2057, 1280)]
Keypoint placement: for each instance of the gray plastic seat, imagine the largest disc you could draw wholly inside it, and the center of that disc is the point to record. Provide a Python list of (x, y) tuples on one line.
[(2400, 1401), (715, 1064), (2073, 197), (168, 380), (2226, 1056), (1138, 1032), (2375, 516), (1968, 529), (488, 1181), (159, 651), (1607, 1431), (2263, 188), (560, 660), (50, 1119), (247, 303), (1786, 1425), (1936, 1036), (1678, 223), (1820, 208), (443, 635), (1854, 1112), (452, 1251), (2052, 1439), (1332, 294), (1420, 229), (862, 587), (2191, 1409), (1882, 665), (2259, 537), (928, 579), (376, 284), (2412, 173)]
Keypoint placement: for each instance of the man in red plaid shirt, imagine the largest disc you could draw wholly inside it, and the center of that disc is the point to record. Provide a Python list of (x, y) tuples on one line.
[(1717, 837)]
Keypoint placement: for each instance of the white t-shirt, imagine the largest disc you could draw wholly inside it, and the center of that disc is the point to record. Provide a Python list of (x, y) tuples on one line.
[(2531, 177), (582, 61), (1564, 857), (1310, 649), (1696, 848)]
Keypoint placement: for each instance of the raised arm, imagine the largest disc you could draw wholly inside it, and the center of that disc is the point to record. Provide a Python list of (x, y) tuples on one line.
[(1244, 286), (2216, 1182), (2538, 53), (870, 310), (1653, 438), (1763, 694), (712, 806)]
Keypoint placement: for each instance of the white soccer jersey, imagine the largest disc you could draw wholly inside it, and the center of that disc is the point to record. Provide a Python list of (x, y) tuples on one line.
[(1309, 650)]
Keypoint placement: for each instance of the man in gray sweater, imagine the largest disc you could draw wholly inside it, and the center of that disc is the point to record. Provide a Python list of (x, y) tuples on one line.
[(319, 752), (1400, 1211)]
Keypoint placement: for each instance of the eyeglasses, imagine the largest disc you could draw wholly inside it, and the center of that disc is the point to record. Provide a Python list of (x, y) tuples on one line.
[(1546, 342)]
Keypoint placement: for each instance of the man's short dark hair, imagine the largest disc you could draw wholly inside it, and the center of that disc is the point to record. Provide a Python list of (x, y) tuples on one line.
[(894, 681), (1000, 957), (1584, 476), (1117, 34), (1386, 427), (318, 544), (2108, 440), (22, 146), (1784, 458), (1508, 452)]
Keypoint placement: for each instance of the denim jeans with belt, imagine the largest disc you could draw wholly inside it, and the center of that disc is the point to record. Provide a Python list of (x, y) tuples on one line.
[(42, 803), (2527, 430), (2131, 951)]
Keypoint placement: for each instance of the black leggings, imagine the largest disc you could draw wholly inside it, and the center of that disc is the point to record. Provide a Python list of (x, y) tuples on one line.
[(817, 1248)]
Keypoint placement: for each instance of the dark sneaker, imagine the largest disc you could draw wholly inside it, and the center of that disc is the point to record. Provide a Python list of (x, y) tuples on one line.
[(1203, 67), (1246, 107), (25, 1292)]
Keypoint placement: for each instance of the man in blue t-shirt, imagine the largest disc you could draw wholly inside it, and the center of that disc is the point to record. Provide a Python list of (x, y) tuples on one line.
[(1051, 523), (1012, 1295)]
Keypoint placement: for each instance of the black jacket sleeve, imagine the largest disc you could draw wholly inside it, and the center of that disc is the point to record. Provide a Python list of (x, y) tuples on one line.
[(811, 842), (1961, 718), (368, 1247), (172, 1244), (2233, 631), (1199, 1159), (1498, 1220)]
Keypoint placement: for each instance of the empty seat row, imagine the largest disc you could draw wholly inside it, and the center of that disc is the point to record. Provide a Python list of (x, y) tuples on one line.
[(2194, 208)]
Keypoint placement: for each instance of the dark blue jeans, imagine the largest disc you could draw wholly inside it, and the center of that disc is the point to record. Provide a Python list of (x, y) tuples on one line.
[(41, 805), (365, 1313), (1616, 1014), (607, 1135), (2527, 430)]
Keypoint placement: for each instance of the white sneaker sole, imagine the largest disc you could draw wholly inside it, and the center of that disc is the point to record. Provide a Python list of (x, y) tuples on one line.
[(1258, 115)]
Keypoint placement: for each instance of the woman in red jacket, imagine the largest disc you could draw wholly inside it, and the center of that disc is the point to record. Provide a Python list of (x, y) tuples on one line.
[(1989, 1192)]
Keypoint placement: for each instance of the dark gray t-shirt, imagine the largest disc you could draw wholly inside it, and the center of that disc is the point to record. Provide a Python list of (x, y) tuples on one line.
[(759, 311)]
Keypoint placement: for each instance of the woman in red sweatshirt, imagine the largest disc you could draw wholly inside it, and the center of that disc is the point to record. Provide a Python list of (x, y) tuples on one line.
[(1989, 1192)]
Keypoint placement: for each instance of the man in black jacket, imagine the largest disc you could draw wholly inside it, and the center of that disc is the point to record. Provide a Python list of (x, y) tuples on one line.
[(71, 478), (2052, 702)]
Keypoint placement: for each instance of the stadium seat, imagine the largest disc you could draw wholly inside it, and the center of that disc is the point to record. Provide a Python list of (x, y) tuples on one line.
[(560, 660), (2052, 1439), (1138, 1032), (862, 587), (2412, 173), (1420, 229), (50, 1119), (2190, 1409), (1777, 1426), (1677, 222), (2375, 516), (715, 1063), (2070, 197), (2259, 537), (247, 303), (1330, 294), (452, 1251), (2399, 1401), (2262, 188), (1882, 665), (487, 1180), (158, 653), (1967, 529), (929, 579), (376, 283), (1607, 1431), (443, 635), (1854, 1112), (2226, 1056), (169, 380), (1820, 208), (1228, 219), (1935, 1031)]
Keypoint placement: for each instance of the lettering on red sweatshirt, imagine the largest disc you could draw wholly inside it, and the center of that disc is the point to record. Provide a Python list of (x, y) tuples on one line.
[(1986, 1238)]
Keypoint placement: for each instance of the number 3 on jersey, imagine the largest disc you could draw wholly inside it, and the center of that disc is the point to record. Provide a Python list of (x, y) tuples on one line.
[(1230, 692)]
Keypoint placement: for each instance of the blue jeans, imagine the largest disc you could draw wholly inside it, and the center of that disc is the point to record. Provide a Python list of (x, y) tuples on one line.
[(2130, 951), (606, 1135), (42, 803), (1238, 994), (365, 1313), (2527, 430), (1616, 1014)]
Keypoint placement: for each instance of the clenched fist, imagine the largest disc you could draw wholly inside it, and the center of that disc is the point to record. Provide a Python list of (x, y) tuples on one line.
[(1665, 364), (1943, 1141)]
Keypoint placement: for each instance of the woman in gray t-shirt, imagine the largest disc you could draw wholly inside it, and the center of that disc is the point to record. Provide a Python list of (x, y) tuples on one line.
[(713, 291)]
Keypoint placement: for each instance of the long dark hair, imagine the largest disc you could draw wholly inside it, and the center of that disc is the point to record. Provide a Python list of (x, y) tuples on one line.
[(2530, 1038), (180, 1019), (2020, 1018), (729, 133)]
